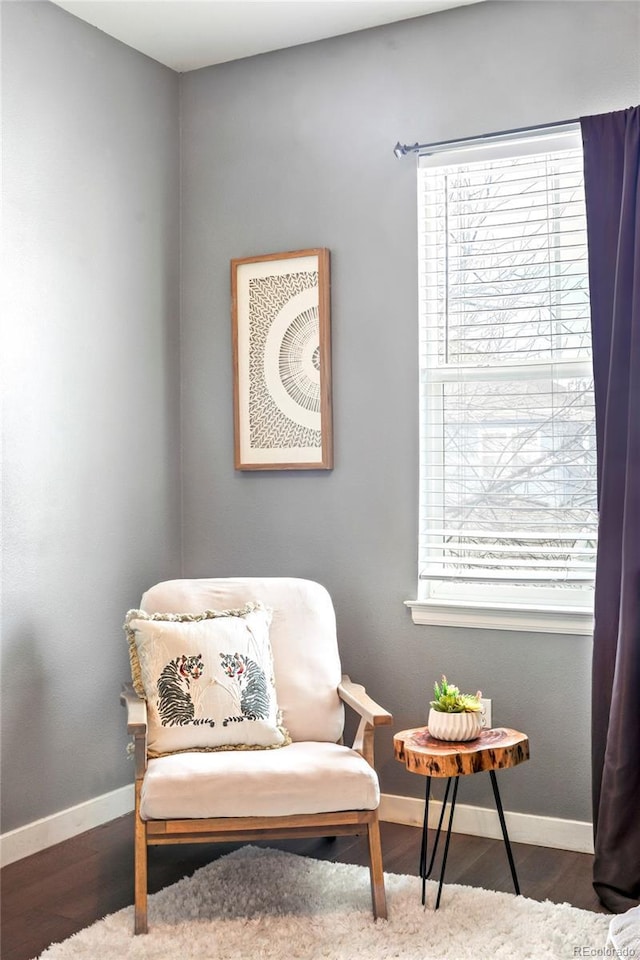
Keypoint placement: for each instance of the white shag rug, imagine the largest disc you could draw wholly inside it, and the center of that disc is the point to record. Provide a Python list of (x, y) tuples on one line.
[(263, 904)]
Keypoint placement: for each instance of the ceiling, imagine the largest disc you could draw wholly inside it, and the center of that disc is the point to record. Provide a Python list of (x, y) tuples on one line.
[(188, 34)]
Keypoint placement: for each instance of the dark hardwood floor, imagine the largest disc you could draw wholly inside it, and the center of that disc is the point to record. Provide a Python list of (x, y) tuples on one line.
[(49, 896)]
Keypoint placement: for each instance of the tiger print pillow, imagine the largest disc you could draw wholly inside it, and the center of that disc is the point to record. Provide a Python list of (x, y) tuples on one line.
[(207, 679)]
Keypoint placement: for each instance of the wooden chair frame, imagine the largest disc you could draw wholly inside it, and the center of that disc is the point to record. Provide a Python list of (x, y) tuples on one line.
[(341, 823)]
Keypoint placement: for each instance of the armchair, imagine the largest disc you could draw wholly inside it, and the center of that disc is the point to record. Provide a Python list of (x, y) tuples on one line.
[(314, 786)]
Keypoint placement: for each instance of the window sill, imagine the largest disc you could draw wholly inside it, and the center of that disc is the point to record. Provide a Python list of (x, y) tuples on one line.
[(495, 616)]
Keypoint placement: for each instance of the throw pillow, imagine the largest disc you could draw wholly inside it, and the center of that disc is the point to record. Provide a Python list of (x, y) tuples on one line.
[(207, 679)]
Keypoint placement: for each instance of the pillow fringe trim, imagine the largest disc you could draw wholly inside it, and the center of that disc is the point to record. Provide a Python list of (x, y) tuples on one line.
[(154, 755)]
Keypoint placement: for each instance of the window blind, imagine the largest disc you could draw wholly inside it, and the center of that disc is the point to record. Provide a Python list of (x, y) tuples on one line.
[(508, 461)]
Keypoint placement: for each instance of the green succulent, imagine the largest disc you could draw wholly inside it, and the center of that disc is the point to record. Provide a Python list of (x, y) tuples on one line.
[(448, 699)]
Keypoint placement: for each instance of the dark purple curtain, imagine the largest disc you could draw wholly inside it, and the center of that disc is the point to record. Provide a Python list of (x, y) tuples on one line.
[(612, 183)]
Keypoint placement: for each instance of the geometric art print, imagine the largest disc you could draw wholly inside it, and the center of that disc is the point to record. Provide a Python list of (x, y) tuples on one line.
[(284, 365), (282, 361)]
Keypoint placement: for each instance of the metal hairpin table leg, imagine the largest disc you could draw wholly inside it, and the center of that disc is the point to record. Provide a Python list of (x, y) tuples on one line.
[(425, 872), (423, 845), (446, 846), (503, 824)]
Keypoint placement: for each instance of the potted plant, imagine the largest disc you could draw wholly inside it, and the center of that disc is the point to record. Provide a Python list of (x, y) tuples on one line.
[(454, 715)]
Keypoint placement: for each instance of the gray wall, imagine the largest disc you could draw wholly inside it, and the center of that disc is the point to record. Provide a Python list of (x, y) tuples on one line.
[(90, 349), (294, 149)]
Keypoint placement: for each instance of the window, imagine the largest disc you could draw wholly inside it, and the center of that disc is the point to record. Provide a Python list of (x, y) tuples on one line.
[(508, 460)]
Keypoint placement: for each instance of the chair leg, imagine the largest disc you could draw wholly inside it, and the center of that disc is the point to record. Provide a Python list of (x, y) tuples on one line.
[(378, 896), (140, 868)]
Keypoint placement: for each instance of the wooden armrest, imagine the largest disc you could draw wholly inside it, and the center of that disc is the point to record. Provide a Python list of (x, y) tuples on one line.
[(136, 726), (136, 710), (356, 697)]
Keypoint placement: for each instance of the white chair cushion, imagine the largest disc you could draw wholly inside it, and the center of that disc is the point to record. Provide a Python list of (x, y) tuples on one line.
[(300, 778), (303, 640)]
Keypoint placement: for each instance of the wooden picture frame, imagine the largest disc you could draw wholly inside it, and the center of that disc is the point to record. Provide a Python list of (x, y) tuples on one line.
[(280, 307)]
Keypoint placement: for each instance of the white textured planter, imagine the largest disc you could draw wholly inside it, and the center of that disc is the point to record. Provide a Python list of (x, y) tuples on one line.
[(454, 726)]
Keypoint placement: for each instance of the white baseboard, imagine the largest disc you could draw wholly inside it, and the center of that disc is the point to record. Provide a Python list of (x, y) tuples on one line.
[(477, 821), (36, 836), (574, 835)]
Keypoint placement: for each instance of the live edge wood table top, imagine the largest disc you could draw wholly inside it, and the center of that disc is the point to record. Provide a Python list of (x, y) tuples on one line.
[(494, 749)]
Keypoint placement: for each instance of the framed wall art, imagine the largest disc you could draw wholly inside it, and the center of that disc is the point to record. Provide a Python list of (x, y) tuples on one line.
[(282, 361)]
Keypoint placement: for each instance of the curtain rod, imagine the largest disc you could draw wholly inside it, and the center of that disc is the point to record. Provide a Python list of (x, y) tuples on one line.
[(402, 149)]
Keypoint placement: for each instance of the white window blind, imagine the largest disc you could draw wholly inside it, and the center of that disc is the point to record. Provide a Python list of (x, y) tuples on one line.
[(508, 460)]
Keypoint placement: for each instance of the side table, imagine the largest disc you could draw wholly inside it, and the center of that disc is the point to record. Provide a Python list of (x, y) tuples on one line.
[(494, 749)]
